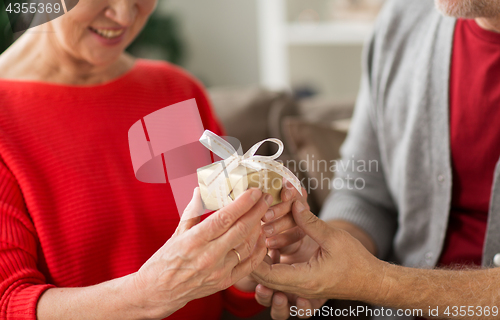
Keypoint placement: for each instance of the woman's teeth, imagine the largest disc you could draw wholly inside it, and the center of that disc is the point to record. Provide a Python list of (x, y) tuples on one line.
[(108, 33)]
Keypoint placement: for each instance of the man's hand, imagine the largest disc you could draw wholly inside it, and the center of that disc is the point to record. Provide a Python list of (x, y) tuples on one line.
[(282, 232), (288, 244), (281, 303), (340, 268)]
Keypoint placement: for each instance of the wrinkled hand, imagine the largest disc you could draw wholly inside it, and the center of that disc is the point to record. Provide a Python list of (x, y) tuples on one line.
[(282, 231), (281, 303), (289, 245), (198, 260), (340, 268)]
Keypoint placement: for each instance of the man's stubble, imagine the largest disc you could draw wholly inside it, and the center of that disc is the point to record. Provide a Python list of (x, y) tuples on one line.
[(469, 8)]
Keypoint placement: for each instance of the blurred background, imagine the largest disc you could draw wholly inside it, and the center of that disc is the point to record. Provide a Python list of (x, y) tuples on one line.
[(311, 46), (288, 69)]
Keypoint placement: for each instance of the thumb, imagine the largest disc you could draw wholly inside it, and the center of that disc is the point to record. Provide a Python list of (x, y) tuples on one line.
[(313, 226), (191, 215)]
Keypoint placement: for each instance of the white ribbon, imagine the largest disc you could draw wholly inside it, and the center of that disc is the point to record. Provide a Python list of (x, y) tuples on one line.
[(217, 180)]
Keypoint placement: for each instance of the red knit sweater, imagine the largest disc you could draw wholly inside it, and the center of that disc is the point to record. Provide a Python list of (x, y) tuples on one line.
[(72, 212)]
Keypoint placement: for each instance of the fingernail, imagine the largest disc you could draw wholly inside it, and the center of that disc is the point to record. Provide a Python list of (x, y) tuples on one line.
[(279, 300), (268, 230), (299, 206), (269, 215), (269, 199), (271, 243), (287, 195), (301, 303), (263, 292), (255, 195)]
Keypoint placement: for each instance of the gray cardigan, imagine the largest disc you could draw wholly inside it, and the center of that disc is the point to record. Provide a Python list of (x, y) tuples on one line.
[(401, 120)]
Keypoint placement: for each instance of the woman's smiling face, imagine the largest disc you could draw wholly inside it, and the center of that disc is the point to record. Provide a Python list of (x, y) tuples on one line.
[(98, 31)]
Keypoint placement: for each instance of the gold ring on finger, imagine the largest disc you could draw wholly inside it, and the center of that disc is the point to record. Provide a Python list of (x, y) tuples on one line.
[(238, 255)]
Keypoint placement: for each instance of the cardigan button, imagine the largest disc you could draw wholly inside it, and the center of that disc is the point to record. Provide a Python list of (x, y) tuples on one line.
[(496, 260)]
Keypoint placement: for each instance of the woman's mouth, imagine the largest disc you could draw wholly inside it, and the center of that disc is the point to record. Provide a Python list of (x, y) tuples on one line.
[(108, 33)]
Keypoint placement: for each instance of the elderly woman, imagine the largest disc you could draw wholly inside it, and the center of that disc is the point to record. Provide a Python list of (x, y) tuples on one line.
[(78, 232)]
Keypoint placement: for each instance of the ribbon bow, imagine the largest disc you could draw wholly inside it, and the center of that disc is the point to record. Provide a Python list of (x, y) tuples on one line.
[(231, 159)]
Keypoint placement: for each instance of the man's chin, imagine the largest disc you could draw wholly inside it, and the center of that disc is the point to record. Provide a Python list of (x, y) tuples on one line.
[(469, 9), (454, 8)]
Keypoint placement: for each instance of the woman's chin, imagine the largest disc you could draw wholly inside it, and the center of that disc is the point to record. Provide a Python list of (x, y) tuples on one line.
[(105, 59)]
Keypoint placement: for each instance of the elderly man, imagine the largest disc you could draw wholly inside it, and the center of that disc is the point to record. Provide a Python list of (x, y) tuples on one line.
[(429, 113)]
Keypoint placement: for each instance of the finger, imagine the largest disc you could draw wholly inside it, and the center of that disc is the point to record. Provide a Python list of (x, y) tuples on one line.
[(282, 277), (280, 308), (278, 226), (287, 242), (192, 213), (263, 295), (222, 220), (304, 195), (242, 228), (275, 256), (245, 249), (246, 267), (288, 192), (233, 258), (267, 258), (279, 210), (314, 227), (303, 305)]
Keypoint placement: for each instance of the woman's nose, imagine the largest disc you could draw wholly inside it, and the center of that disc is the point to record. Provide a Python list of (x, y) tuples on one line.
[(122, 11)]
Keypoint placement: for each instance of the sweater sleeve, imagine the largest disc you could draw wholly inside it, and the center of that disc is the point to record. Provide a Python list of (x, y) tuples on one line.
[(360, 193), (21, 284)]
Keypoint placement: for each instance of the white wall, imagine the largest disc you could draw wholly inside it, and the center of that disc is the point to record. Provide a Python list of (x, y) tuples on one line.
[(333, 70), (221, 39)]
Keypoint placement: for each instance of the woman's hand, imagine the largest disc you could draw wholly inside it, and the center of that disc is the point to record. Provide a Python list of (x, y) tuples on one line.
[(341, 267), (199, 259)]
